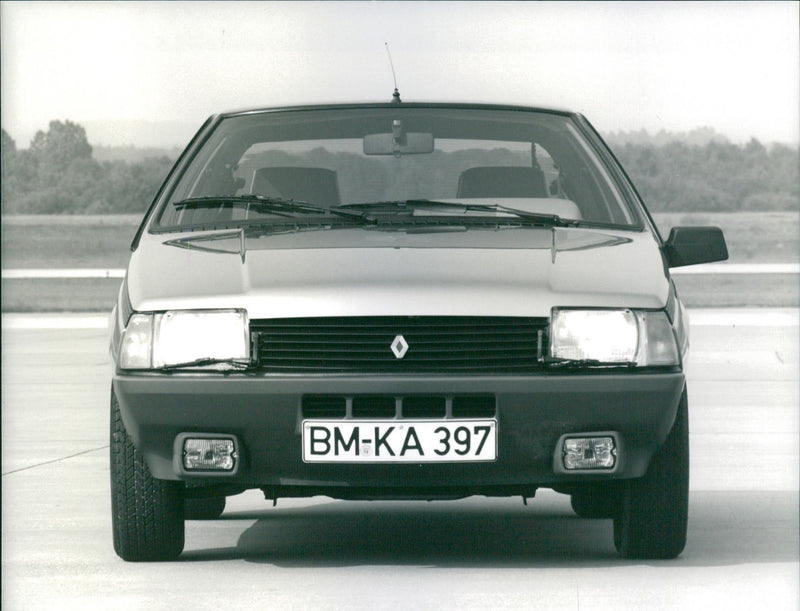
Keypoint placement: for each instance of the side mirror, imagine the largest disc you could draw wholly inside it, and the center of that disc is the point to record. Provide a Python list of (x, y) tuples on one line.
[(693, 245)]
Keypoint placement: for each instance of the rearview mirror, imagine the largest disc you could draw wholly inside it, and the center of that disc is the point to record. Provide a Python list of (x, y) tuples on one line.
[(413, 143), (693, 245)]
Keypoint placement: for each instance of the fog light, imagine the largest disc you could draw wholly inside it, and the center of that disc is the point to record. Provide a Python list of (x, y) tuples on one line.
[(209, 454), (589, 453)]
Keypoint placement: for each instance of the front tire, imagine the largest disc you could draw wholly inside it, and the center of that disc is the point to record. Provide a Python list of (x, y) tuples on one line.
[(654, 511), (146, 513)]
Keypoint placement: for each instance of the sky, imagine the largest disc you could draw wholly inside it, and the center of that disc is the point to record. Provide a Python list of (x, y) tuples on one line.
[(627, 66)]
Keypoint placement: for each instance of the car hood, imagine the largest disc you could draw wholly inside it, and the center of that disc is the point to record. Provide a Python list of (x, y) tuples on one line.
[(357, 272)]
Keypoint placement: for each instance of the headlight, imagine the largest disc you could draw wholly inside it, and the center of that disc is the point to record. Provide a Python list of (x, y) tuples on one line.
[(624, 337), (184, 337)]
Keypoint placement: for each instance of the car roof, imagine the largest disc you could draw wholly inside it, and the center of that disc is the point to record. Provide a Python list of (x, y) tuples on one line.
[(365, 105)]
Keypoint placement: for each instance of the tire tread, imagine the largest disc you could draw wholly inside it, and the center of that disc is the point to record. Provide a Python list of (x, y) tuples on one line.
[(653, 517), (147, 513)]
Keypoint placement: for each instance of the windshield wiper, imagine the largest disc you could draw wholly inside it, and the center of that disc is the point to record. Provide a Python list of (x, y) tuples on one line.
[(279, 206), (223, 364), (569, 363), (410, 205)]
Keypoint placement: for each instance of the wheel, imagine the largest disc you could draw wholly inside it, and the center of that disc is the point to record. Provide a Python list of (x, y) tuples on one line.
[(146, 513), (203, 508), (654, 510), (596, 502)]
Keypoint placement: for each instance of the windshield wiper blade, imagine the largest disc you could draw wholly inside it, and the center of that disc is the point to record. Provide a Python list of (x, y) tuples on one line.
[(568, 363), (224, 364), (279, 206), (537, 218)]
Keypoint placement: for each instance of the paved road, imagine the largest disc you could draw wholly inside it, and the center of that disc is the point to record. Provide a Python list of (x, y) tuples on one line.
[(477, 553)]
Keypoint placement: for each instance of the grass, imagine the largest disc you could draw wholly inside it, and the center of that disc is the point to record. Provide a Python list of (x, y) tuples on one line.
[(752, 237), (98, 241), (60, 295), (58, 243), (752, 290)]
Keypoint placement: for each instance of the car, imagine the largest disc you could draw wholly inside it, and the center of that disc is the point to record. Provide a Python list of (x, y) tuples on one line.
[(401, 301)]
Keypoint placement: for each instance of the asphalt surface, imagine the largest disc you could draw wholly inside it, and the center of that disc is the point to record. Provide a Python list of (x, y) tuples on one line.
[(742, 551)]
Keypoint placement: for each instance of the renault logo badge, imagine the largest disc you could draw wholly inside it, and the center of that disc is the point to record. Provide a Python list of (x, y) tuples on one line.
[(399, 346)]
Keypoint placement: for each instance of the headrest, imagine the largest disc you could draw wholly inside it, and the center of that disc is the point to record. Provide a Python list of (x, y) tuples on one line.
[(312, 185), (502, 181)]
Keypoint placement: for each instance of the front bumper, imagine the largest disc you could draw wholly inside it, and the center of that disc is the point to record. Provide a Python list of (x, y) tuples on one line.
[(264, 414)]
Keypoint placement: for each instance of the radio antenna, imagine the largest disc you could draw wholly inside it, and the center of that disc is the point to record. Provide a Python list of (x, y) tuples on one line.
[(396, 94)]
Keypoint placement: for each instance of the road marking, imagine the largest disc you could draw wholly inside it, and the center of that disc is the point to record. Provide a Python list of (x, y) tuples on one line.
[(16, 274), (698, 317), (61, 459), (68, 320), (739, 268), (744, 317), (708, 268)]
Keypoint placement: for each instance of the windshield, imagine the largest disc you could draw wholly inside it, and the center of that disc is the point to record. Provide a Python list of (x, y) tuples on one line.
[(385, 161)]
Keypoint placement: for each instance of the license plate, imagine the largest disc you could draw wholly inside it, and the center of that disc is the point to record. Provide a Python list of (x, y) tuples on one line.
[(393, 441)]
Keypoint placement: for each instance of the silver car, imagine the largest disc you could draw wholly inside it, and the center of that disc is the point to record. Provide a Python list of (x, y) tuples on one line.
[(383, 301)]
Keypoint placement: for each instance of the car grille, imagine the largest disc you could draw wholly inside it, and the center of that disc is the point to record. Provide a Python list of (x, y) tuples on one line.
[(445, 345), (404, 407)]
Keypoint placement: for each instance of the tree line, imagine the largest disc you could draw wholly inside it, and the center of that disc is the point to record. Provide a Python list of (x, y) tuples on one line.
[(59, 174), (716, 177)]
